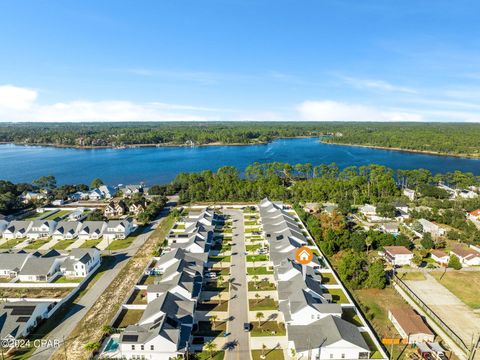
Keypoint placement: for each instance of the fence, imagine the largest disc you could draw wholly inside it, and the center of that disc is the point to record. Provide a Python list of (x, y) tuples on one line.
[(451, 334)]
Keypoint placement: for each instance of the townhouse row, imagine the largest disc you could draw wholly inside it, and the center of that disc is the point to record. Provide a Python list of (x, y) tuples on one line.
[(66, 230)]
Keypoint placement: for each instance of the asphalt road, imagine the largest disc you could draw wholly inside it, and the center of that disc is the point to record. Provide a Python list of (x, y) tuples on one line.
[(238, 346), (80, 308)]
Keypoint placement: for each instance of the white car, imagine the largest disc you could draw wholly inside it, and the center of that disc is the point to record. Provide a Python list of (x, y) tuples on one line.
[(211, 275), (262, 251)]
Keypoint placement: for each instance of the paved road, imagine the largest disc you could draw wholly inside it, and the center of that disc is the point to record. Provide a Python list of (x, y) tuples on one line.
[(238, 308), (80, 308)]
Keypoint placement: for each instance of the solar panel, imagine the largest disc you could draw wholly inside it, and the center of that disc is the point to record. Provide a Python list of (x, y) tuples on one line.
[(130, 338), (23, 310), (23, 319)]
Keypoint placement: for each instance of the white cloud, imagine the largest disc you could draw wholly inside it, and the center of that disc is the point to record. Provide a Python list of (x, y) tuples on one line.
[(328, 110), (16, 98), (20, 104), (376, 85)]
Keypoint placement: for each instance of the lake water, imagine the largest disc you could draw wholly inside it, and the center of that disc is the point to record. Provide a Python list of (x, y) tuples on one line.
[(161, 164)]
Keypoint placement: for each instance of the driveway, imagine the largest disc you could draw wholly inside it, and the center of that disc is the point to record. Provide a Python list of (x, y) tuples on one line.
[(453, 312), (80, 308), (238, 340)]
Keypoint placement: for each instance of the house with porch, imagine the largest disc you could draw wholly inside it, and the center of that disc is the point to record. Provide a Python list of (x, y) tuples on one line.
[(398, 255), (118, 229), (92, 230), (41, 229), (66, 230), (81, 262), (16, 229)]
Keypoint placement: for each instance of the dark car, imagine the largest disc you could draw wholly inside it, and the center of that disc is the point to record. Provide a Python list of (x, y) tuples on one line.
[(246, 327)]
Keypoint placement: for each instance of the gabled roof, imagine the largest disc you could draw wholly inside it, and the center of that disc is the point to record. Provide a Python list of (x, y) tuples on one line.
[(12, 262), (91, 227), (38, 266), (410, 321), (15, 315), (397, 250), (66, 227), (325, 332)]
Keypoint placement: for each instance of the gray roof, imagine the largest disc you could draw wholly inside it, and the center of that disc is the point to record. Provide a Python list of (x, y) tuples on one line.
[(15, 315), (37, 266), (91, 227), (67, 227), (15, 226), (12, 262), (324, 332)]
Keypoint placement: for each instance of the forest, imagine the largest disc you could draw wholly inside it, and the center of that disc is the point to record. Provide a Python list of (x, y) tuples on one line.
[(441, 138)]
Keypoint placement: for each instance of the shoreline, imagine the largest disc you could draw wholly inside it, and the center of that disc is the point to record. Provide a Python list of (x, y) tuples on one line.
[(132, 146), (425, 152)]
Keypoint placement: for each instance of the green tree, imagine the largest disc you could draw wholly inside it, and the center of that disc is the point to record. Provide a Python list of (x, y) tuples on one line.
[(376, 276), (427, 241), (96, 183), (46, 182), (351, 269), (259, 316), (454, 262), (92, 346), (211, 347)]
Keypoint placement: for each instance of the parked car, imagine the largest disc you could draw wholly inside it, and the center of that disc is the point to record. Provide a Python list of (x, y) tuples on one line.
[(262, 251), (211, 275), (246, 327)]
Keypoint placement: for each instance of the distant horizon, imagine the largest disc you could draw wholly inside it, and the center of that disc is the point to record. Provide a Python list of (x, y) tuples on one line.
[(331, 60)]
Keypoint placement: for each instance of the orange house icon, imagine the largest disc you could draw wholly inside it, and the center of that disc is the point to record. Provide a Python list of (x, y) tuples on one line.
[(304, 255)]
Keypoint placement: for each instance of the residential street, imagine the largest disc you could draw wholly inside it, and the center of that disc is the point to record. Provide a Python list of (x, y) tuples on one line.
[(80, 308), (238, 346)]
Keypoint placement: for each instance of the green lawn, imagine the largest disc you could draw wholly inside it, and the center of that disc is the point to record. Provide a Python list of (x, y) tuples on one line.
[(261, 286), (59, 214), (413, 276), (261, 270), (252, 230), (251, 223), (209, 329), (328, 278), (270, 354), (375, 354), (212, 306), (267, 328), (62, 244), (350, 315), (262, 304), (36, 244), (34, 216), (219, 259), (338, 296), (11, 243), (252, 248), (63, 279), (215, 287), (128, 317), (256, 258), (90, 243), (463, 284), (205, 355)]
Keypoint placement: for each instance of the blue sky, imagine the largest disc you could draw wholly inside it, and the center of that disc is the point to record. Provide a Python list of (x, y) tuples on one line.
[(344, 60)]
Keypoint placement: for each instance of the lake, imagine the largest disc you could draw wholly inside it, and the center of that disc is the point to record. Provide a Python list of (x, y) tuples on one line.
[(161, 164)]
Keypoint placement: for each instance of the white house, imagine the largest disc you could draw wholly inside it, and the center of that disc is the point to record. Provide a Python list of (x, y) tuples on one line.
[(41, 229), (40, 269), (66, 230), (129, 190), (118, 229), (389, 228), (92, 230), (467, 256), (79, 195), (16, 229), (467, 194), (368, 210), (81, 262), (162, 332), (440, 257), (95, 195), (410, 325), (398, 255), (409, 193), (432, 228), (328, 338), (107, 192), (19, 318), (58, 202), (29, 196), (11, 264)]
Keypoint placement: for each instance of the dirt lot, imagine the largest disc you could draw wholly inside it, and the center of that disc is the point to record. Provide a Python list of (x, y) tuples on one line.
[(463, 284), (458, 316)]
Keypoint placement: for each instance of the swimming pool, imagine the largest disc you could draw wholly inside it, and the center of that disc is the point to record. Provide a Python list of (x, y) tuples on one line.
[(112, 345)]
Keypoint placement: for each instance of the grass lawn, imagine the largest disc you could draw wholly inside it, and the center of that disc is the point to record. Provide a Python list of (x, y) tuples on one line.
[(261, 270), (34, 216), (338, 296), (205, 355), (62, 244), (63, 280), (262, 285), (36, 244), (206, 328), (328, 278), (11, 243), (256, 258), (350, 315), (251, 223), (464, 284), (149, 279), (273, 354), (5, 279), (90, 243), (213, 286), (375, 354), (212, 306), (375, 304), (252, 230), (253, 248), (262, 304), (267, 328), (34, 292), (121, 243), (413, 276), (59, 214), (219, 259), (139, 297), (128, 317), (179, 227)]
